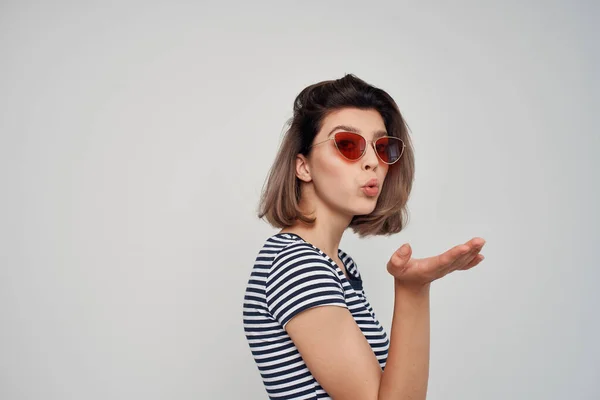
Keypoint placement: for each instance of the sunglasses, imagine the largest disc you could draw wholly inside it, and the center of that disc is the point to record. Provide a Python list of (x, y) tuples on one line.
[(353, 146)]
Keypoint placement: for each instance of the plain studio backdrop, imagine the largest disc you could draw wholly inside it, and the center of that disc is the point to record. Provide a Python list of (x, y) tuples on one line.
[(136, 137)]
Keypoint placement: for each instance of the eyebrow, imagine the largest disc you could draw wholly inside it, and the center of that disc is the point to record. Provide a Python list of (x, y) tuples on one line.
[(355, 130)]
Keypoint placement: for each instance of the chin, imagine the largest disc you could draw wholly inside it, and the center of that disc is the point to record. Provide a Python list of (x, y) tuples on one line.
[(364, 210)]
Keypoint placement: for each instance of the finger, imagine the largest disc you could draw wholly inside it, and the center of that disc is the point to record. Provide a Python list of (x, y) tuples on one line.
[(403, 253), (441, 265), (479, 258), (456, 256), (459, 253), (466, 259), (476, 241), (449, 257), (474, 247), (476, 261), (400, 258)]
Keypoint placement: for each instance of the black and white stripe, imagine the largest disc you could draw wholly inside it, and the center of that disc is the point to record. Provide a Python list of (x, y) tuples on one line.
[(291, 275)]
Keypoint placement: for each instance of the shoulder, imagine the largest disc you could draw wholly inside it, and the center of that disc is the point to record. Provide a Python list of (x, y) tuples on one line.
[(299, 262), (297, 248), (284, 246), (299, 255)]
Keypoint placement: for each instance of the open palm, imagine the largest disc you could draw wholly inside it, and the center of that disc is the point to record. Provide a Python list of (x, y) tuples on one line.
[(420, 271)]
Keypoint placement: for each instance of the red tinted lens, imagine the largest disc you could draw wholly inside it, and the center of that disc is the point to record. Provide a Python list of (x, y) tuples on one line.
[(351, 145), (389, 149)]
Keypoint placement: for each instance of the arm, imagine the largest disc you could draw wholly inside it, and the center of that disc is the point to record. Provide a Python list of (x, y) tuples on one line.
[(341, 360), (407, 369), (338, 354)]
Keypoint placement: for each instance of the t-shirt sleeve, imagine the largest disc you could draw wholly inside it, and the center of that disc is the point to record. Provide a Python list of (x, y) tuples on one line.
[(301, 278)]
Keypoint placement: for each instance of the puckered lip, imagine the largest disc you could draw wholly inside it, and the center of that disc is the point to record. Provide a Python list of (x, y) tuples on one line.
[(372, 182)]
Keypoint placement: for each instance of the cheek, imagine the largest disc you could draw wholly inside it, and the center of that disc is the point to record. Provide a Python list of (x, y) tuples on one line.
[(334, 172), (384, 172)]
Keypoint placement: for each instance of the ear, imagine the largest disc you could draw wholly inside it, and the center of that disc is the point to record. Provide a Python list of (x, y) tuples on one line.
[(302, 168)]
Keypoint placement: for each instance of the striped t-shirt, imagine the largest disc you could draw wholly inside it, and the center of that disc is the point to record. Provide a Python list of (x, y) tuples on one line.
[(291, 275)]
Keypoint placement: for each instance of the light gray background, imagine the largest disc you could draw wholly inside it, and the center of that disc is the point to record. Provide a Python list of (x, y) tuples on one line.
[(135, 139)]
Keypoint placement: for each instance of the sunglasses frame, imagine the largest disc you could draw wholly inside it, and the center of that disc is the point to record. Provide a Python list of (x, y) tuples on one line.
[(365, 151)]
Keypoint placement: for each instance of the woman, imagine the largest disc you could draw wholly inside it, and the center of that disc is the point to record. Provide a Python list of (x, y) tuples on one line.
[(345, 162)]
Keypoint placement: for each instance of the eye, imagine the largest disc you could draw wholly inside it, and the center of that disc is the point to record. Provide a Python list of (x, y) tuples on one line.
[(381, 147), (346, 144)]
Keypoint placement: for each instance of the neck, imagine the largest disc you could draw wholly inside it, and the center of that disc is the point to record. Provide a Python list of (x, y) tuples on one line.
[(326, 232)]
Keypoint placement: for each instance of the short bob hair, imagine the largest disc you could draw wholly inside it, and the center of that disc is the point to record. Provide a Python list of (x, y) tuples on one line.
[(280, 198)]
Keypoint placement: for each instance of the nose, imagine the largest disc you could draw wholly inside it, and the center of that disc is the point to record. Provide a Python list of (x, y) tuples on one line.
[(370, 159)]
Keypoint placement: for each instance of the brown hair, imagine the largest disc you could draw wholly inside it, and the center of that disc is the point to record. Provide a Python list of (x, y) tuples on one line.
[(280, 198)]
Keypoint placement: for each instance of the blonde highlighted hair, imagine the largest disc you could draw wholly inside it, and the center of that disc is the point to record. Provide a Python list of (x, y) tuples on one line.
[(280, 198)]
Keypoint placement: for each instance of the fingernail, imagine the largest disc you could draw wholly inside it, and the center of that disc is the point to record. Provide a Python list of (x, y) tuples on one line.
[(404, 250)]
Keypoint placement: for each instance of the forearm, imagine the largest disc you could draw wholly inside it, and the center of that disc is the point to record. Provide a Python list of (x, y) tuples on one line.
[(407, 369)]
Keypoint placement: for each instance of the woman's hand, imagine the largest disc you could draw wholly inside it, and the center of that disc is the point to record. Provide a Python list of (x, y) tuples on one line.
[(421, 271)]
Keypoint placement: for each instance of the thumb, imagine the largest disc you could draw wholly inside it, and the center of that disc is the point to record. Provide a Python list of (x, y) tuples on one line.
[(404, 251)]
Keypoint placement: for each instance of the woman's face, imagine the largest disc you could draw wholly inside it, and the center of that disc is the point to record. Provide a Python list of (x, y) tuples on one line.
[(339, 182)]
